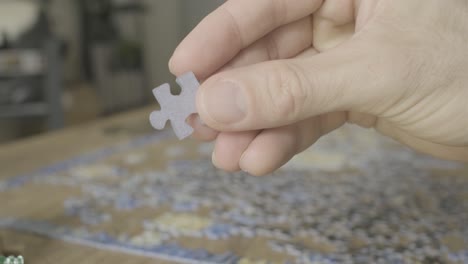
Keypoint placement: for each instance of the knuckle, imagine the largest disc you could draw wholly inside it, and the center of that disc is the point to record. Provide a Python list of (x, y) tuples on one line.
[(324, 88), (234, 26), (286, 91)]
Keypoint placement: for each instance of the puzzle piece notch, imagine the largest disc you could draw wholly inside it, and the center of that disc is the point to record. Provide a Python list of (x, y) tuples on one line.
[(176, 109)]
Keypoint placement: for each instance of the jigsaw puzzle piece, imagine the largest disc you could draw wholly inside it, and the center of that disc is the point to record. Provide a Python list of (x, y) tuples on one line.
[(176, 108), (190, 81), (189, 84), (182, 129), (158, 120)]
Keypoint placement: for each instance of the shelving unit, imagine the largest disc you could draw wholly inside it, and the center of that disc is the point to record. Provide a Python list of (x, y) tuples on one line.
[(112, 50), (45, 65)]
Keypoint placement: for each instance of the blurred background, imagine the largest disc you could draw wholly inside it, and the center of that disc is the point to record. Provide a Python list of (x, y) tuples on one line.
[(67, 62)]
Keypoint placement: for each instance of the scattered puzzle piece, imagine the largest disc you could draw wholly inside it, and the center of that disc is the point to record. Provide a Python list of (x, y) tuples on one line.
[(176, 108)]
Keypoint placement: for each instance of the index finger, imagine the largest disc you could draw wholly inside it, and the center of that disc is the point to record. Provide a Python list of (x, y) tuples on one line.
[(232, 27)]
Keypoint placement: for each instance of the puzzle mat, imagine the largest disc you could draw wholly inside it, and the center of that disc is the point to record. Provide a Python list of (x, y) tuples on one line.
[(353, 198)]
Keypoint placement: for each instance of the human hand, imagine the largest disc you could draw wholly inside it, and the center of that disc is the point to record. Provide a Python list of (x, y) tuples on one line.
[(288, 72)]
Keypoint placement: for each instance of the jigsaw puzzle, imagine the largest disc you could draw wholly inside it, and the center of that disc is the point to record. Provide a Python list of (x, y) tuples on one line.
[(353, 198), (176, 108)]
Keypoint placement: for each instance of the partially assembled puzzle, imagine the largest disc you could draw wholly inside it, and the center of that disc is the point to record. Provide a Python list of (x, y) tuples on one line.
[(352, 198), (176, 108)]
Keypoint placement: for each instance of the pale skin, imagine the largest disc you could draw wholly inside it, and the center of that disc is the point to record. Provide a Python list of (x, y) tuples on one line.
[(297, 70)]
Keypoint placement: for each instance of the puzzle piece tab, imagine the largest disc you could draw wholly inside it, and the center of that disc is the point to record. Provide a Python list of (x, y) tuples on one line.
[(176, 108)]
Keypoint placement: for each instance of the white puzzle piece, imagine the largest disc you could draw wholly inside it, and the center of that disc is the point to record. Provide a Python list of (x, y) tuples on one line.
[(176, 108)]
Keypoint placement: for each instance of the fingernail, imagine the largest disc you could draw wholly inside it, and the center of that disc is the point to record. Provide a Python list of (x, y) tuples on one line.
[(242, 161), (171, 59), (171, 62), (213, 159), (225, 103)]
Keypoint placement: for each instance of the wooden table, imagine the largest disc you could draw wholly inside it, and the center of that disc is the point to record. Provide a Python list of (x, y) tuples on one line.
[(31, 154)]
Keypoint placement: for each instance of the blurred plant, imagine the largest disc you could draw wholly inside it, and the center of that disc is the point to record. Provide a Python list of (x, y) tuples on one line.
[(127, 55)]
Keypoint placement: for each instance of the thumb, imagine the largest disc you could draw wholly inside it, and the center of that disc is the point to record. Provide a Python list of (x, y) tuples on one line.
[(279, 93)]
